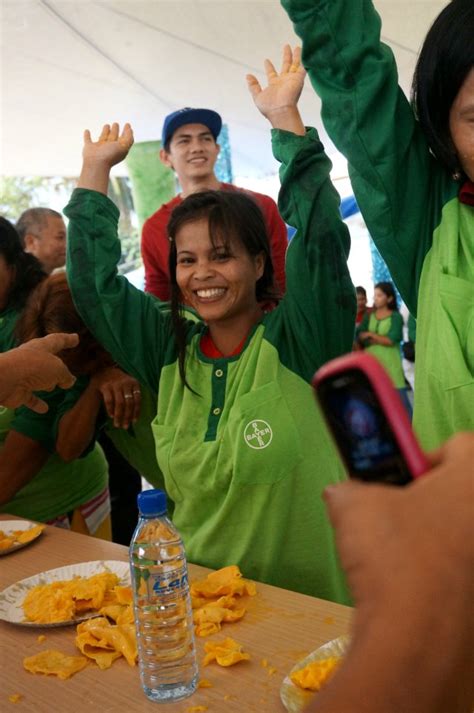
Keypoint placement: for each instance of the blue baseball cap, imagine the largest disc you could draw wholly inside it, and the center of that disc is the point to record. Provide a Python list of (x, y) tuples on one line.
[(207, 117)]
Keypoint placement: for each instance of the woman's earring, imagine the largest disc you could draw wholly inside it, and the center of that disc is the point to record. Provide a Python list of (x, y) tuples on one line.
[(457, 175)]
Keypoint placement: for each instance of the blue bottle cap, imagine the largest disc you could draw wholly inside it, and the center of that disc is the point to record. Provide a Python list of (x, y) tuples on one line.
[(152, 502)]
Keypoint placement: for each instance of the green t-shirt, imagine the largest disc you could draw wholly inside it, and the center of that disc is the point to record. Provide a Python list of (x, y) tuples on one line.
[(388, 356), (8, 319), (58, 487)]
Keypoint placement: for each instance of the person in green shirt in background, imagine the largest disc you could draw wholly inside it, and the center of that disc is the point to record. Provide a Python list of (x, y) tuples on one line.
[(412, 171), (50, 467), (381, 332), (242, 445)]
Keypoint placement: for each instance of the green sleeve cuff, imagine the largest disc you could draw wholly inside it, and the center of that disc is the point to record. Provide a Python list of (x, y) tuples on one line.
[(94, 201), (285, 144), (395, 332)]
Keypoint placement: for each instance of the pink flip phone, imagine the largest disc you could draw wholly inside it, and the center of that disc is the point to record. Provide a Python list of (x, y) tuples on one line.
[(367, 420)]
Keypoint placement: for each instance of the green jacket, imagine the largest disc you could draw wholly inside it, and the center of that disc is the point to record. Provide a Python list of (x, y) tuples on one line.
[(246, 457), (408, 201)]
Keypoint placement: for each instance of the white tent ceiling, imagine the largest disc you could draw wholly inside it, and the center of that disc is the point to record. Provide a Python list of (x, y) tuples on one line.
[(74, 64)]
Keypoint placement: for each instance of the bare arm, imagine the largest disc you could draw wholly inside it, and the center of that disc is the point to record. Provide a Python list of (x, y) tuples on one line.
[(21, 458), (373, 338), (409, 556), (121, 396)]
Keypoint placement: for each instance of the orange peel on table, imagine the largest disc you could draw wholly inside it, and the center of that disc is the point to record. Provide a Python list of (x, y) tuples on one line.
[(226, 652), (15, 697), (104, 642), (55, 663), (208, 619), (214, 599), (227, 580), (316, 674), (18, 537), (65, 599), (205, 683)]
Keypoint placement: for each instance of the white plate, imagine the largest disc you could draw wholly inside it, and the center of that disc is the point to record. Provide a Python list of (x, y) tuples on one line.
[(9, 526), (294, 698), (12, 597)]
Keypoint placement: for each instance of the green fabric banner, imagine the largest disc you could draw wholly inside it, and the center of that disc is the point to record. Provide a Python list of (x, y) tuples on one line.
[(152, 183)]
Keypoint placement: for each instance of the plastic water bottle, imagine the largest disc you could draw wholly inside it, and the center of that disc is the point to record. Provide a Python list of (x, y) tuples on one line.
[(162, 604)]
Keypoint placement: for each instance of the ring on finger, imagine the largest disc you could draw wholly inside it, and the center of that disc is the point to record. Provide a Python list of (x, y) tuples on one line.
[(128, 396), (137, 391)]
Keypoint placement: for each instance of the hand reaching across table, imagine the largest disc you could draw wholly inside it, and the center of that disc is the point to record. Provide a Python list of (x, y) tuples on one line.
[(34, 367)]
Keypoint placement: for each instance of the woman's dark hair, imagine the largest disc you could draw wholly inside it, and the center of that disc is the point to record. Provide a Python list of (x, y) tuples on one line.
[(231, 215), (361, 290), (50, 309), (389, 290), (445, 60), (28, 270)]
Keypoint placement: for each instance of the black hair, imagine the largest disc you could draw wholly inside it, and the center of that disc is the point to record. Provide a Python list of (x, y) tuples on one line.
[(231, 215), (389, 290), (446, 58), (50, 309), (28, 270), (361, 290), (34, 219)]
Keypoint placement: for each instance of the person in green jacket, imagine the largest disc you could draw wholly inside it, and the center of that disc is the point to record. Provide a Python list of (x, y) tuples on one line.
[(412, 171), (34, 483), (380, 333), (243, 448)]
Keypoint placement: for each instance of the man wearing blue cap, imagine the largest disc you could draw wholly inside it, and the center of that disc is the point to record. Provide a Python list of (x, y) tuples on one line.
[(190, 148)]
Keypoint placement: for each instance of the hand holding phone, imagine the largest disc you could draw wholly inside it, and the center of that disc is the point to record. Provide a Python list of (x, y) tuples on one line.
[(369, 424)]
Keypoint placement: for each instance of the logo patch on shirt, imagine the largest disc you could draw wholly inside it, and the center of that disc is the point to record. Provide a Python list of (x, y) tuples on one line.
[(258, 434)]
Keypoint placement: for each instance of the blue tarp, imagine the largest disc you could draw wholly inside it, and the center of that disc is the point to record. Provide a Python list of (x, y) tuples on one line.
[(348, 207)]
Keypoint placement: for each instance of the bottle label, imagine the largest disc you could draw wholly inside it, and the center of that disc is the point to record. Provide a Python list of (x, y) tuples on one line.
[(163, 583)]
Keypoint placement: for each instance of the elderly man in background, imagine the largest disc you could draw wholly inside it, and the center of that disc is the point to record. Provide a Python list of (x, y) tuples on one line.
[(42, 233)]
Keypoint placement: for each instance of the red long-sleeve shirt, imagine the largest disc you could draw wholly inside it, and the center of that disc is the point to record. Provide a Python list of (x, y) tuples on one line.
[(155, 244)]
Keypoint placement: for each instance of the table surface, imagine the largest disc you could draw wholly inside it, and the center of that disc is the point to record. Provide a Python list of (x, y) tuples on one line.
[(279, 626)]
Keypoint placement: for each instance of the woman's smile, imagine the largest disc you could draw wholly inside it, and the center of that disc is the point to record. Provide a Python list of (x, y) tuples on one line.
[(218, 280), (210, 293)]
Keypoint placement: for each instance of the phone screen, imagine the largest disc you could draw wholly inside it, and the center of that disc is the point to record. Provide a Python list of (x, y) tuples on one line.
[(361, 430)]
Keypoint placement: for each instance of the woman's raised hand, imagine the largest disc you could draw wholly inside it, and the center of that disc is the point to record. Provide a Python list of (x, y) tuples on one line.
[(111, 146), (99, 156), (278, 101)]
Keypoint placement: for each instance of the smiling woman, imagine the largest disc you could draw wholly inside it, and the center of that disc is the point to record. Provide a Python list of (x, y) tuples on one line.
[(242, 446), (461, 124), (220, 264)]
